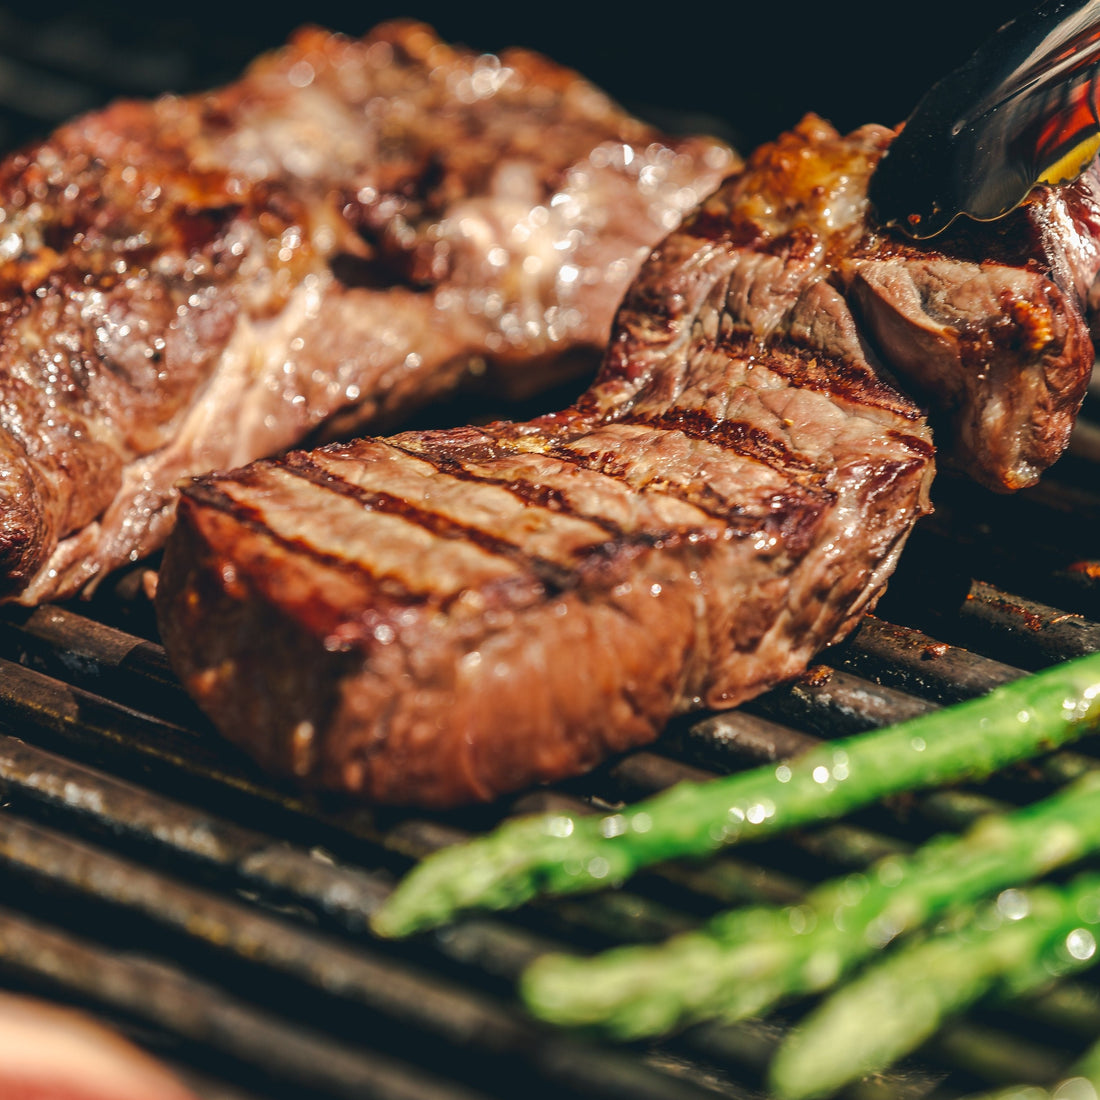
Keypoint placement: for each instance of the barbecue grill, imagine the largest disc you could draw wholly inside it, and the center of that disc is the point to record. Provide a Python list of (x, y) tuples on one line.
[(151, 875)]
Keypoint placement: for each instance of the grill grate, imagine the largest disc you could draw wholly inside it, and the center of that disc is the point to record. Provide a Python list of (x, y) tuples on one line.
[(147, 872)]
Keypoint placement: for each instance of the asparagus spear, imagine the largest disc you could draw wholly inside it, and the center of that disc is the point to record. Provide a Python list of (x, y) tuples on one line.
[(559, 853), (1011, 946), (743, 961), (1082, 1082), (1072, 1088)]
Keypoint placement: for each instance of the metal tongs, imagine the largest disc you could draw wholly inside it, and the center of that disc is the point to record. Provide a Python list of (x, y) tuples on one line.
[(1022, 111)]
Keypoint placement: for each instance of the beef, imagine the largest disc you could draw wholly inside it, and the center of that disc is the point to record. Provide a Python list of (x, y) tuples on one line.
[(989, 328), (344, 234), (443, 616)]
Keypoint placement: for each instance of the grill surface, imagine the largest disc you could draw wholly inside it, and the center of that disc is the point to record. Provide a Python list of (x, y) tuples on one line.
[(149, 874)]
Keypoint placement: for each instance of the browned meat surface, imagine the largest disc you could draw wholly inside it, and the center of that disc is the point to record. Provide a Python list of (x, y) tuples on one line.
[(443, 616), (191, 283), (989, 326)]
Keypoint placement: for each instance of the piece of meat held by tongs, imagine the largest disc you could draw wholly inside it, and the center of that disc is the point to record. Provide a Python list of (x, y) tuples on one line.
[(1009, 139), (341, 236)]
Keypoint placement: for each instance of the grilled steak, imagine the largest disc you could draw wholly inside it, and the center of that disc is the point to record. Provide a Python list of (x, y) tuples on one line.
[(442, 616), (191, 283)]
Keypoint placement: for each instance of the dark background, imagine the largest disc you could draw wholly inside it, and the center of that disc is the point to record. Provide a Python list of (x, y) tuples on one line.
[(746, 69)]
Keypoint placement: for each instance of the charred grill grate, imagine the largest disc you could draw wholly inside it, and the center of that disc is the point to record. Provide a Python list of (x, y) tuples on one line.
[(150, 874)]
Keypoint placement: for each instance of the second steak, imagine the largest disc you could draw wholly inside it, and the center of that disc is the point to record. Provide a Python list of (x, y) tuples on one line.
[(337, 238)]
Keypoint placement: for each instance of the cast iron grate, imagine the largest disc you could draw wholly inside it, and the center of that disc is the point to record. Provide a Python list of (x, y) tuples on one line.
[(148, 873)]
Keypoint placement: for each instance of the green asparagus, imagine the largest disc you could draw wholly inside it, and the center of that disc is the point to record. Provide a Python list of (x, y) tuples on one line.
[(1011, 946), (1071, 1088), (1087, 1068), (745, 960), (561, 853), (1082, 1082)]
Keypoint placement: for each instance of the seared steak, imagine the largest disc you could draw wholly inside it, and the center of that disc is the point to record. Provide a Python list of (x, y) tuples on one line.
[(191, 283), (443, 616)]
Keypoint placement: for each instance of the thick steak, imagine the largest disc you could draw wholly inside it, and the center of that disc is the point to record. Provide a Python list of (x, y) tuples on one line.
[(443, 616), (337, 238)]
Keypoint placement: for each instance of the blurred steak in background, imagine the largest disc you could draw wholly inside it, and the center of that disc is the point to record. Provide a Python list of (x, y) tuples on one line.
[(336, 239), (49, 1053)]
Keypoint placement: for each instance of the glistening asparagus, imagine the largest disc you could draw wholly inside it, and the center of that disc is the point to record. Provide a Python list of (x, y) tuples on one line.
[(561, 853), (1082, 1076), (1004, 949), (744, 961)]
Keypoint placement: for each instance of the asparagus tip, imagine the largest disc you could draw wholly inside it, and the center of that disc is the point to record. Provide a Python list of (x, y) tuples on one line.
[(500, 870)]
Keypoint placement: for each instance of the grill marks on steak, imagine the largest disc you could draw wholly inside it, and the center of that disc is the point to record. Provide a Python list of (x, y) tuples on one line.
[(471, 639), (443, 616), (191, 283)]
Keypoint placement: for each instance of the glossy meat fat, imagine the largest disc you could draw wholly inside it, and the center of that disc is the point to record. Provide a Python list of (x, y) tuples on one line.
[(339, 237)]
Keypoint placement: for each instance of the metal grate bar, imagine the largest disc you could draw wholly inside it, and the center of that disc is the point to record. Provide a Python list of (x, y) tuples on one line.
[(390, 998), (285, 1052), (89, 801)]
